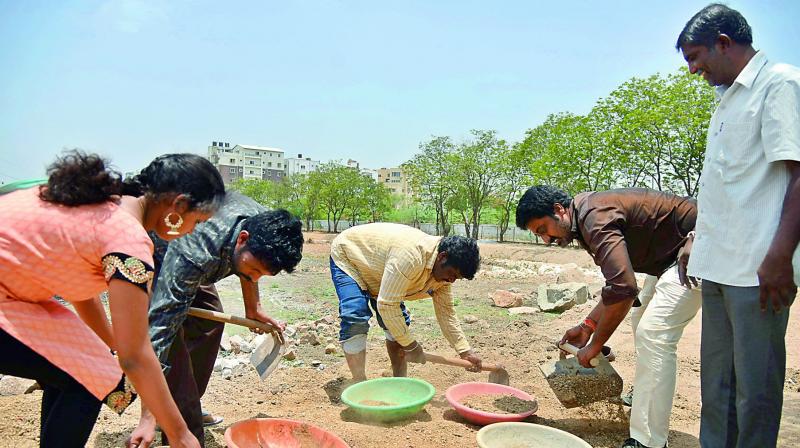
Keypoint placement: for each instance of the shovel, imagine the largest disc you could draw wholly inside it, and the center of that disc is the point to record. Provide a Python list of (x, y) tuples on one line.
[(497, 375), (575, 385), (266, 357)]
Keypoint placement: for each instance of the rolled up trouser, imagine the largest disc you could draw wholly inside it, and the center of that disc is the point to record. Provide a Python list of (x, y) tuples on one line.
[(356, 307)]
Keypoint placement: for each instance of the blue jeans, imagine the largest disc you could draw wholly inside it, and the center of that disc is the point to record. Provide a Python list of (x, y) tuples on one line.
[(742, 368), (356, 305)]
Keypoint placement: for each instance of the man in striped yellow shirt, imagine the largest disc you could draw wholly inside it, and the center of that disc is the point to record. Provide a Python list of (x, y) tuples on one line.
[(376, 267)]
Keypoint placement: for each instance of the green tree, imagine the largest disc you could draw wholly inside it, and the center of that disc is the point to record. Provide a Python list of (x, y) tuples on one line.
[(430, 176), (693, 104), (262, 191), (513, 178), (658, 124), (337, 187), (476, 176), (378, 200)]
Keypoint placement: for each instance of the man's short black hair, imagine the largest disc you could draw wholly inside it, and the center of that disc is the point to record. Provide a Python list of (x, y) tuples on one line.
[(705, 27), (276, 240), (538, 202), (462, 254)]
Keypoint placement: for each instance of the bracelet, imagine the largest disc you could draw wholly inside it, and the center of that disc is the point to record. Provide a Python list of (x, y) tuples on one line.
[(416, 344), (590, 324)]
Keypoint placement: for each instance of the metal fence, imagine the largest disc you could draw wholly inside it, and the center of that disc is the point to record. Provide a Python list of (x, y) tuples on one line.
[(485, 232)]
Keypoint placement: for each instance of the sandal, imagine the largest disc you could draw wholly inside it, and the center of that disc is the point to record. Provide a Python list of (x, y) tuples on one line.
[(210, 419)]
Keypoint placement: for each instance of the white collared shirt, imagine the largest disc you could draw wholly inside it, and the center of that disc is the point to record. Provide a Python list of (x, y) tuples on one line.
[(755, 128)]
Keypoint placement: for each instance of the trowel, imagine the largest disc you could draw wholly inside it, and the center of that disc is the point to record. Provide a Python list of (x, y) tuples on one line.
[(575, 385), (266, 357), (497, 373)]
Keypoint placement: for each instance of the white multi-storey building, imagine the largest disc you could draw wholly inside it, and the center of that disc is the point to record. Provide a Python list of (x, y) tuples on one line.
[(300, 165), (247, 161)]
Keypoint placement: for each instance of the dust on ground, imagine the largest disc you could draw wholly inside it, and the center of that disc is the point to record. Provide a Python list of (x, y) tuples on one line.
[(308, 388)]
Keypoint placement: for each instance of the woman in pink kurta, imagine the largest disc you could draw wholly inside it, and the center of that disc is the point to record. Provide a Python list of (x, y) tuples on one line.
[(78, 236)]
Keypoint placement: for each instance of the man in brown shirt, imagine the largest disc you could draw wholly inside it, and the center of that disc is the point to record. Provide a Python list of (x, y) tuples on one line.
[(627, 231)]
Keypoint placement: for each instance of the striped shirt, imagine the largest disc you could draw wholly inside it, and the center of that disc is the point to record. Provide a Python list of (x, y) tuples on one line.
[(755, 128), (394, 263)]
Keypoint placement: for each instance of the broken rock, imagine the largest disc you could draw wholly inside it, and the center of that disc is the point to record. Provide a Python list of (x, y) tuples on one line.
[(506, 299), (11, 385), (236, 343), (290, 355), (225, 343), (327, 320), (309, 338), (562, 297), (523, 310), (330, 349), (470, 319)]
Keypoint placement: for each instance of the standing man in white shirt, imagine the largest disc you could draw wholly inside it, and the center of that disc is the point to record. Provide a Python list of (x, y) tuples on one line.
[(748, 227)]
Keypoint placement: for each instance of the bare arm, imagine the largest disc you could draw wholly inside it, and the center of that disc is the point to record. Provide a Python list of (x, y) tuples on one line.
[(93, 314), (252, 305), (128, 305), (776, 275)]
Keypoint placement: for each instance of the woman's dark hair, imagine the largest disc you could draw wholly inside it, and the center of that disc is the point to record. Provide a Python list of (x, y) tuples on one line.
[(538, 202), (78, 178), (276, 239), (705, 27), (462, 254)]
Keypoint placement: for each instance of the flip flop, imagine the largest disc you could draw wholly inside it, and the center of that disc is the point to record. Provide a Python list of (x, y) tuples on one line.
[(211, 420)]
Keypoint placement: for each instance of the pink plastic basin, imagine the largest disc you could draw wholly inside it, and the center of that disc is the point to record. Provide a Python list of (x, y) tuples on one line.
[(455, 393), (279, 433)]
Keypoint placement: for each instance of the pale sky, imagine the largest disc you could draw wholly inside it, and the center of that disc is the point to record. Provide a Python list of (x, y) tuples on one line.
[(367, 80)]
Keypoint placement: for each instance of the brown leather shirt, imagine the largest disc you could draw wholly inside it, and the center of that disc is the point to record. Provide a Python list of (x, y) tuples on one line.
[(631, 230)]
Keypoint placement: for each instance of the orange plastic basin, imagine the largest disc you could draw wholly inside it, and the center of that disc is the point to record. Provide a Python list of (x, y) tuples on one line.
[(280, 433)]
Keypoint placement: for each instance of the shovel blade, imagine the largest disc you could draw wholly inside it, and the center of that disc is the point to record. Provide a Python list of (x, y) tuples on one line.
[(499, 376), (575, 385), (267, 356)]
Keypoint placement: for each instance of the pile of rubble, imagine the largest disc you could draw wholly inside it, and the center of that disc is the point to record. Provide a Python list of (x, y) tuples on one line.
[(552, 297), (234, 355), (549, 272)]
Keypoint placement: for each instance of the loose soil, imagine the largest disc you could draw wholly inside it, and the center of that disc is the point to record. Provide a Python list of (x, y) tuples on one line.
[(298, 391), (499, 404), (375, 403), (576, 386)]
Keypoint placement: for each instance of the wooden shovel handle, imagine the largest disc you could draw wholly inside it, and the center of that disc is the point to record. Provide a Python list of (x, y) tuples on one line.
[(571, 349), (231, 319), (457, 362)]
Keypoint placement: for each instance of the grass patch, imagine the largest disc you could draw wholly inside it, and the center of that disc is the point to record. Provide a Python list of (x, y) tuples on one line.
[(326, 293)]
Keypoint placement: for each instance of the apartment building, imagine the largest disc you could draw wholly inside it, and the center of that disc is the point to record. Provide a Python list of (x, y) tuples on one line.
[(395, 180), (247, 161), (300, 165)]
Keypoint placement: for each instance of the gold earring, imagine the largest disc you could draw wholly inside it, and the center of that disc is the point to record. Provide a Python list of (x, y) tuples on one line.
[(173, 227)]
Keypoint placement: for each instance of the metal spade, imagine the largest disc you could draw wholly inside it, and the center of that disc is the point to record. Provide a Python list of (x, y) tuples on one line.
[(575, 385), (266, 357)]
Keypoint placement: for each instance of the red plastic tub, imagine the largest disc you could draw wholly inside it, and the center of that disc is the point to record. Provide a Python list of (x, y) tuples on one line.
[(455, 393), (280, 433)]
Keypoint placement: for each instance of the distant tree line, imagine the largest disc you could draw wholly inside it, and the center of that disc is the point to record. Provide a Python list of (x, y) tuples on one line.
[(649, 132)]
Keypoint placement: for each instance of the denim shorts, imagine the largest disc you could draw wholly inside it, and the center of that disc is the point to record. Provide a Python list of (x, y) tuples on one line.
[(356, 306)]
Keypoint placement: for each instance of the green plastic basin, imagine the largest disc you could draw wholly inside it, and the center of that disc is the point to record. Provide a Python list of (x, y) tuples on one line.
[(388, 399)]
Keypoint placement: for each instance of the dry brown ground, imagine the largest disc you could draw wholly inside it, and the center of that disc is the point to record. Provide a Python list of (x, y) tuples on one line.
[(521, 343)]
